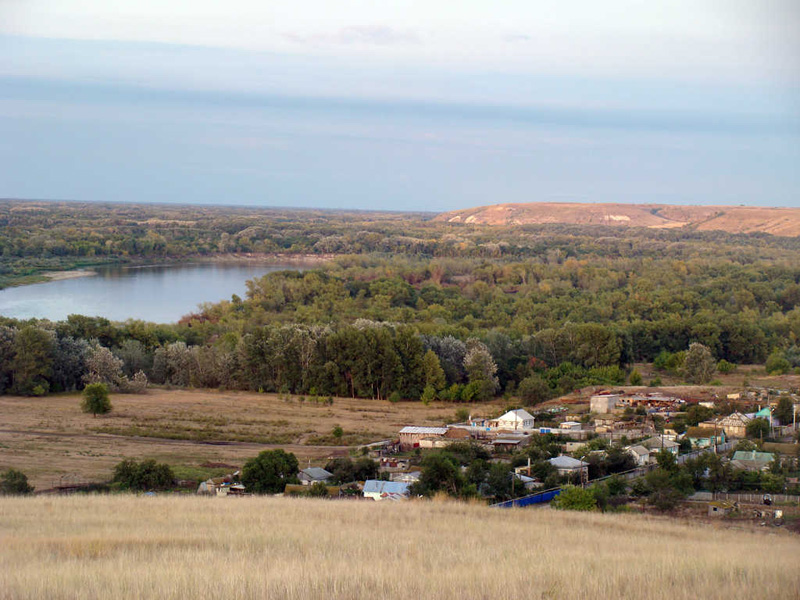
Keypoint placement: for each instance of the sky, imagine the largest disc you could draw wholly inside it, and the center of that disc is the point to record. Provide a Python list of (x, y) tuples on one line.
[(401, 104)]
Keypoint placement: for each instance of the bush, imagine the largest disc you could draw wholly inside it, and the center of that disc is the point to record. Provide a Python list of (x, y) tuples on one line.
[(95, 399), (14, 483), (575, 498), (144, 476), (636, 377), (724, 366), (318, 490), (777, 364)]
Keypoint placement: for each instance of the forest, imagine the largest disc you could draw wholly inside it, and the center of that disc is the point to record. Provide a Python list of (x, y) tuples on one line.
[(405, 308)]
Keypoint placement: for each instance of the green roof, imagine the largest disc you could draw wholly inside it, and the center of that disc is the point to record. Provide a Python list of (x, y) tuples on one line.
[(753, 455)]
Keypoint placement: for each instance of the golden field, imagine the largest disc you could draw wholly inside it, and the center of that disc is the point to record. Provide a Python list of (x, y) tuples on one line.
[(102, 547), (53, 442)]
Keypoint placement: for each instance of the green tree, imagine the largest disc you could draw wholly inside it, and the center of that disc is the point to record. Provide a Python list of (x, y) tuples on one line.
[(758, 428), (143, 476), (699, 365), (14, 483), (784, 411), (533, 390), (434, 374), (33, 361), (270, 471), (337, 432), (575, 498), (95, 399), (636, 377)]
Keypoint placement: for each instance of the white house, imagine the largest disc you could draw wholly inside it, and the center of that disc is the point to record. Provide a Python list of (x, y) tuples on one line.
[(516, 420), (640, 454)]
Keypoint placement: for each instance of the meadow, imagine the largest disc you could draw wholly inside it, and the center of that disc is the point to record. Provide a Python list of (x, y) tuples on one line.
[(94, 547), (54, 443)]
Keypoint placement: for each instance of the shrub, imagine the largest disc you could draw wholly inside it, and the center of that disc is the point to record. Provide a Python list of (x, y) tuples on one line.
[(318, 490), (95, 399), (724, 366), (337, 432), (14, 483), (777, 364), (575, 498), (636, 378)]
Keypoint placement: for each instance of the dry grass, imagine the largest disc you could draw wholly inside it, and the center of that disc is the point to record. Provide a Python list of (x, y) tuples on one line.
[(101, 547), (50, 437)]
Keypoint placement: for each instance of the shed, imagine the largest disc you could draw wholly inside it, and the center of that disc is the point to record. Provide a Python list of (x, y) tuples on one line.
[(720, 508), (410, 436)]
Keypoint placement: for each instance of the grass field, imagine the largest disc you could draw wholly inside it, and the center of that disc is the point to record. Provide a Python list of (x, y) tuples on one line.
[(51, 440), (100, 547)]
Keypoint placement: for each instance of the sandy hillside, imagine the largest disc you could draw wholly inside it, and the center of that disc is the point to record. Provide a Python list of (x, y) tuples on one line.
[(734, 219)]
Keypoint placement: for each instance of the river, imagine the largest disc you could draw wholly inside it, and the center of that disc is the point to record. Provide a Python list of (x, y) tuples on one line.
[(158, 293)]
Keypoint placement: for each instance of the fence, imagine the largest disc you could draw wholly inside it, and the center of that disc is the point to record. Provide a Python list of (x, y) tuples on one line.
[(758, 498), (537, 498)]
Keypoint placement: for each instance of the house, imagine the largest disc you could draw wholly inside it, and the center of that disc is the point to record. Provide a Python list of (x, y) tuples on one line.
[(570, 426), (410, 436), (658, 443), (515, 420), (751, 460), (385, 490), (705, 437), (735, 425), (313, 475), (640, 454), (566, 465), (603, 403)]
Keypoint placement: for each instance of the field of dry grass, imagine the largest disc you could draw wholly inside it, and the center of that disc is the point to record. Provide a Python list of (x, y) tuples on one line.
[(50, 438), (100, 547)]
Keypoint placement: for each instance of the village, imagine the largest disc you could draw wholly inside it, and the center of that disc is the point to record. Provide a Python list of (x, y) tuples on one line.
[(527, 456)]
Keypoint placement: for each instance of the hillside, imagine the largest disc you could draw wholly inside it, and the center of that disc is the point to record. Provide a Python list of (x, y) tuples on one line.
[(123, 546), (733, 219)]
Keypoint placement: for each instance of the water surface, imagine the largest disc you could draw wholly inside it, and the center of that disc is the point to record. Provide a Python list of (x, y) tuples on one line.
[(161, 293)]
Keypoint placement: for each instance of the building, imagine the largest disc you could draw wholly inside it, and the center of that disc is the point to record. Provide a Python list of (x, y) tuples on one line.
[(566, 465), (720, 508), (385, 490), (751, 460), (514, 420), (603, 403), (313, 475), (657, 443), (705, 437), (640, 454), (410, 437), (509, 443), (735, 425)]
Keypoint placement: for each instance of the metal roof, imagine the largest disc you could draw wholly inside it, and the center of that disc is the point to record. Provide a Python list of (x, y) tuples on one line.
[(317, 473), (375, 486), (424, 430), (567, 462)]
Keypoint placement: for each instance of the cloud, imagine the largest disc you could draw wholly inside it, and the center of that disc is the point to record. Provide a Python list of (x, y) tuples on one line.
[(373, 35)]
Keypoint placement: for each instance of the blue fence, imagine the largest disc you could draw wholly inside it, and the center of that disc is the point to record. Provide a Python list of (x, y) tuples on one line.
[(538, 498)]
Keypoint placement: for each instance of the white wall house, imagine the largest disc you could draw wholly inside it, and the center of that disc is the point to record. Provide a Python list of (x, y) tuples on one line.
[(515, 420)]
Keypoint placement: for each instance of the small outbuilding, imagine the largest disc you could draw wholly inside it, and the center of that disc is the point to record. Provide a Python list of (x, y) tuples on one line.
[(313, 475)]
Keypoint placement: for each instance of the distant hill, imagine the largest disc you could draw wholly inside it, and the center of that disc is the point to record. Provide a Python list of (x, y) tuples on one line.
[(733, 219)]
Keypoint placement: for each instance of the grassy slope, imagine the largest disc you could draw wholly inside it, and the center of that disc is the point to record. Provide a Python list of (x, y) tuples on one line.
[(48, 438), (189, 547)]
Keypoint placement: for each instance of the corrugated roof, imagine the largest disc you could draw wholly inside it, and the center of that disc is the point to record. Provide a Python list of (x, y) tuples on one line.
[(519, 414), (375, 486), (567, 462), (317, 473), (753, 455), (424, 430)]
